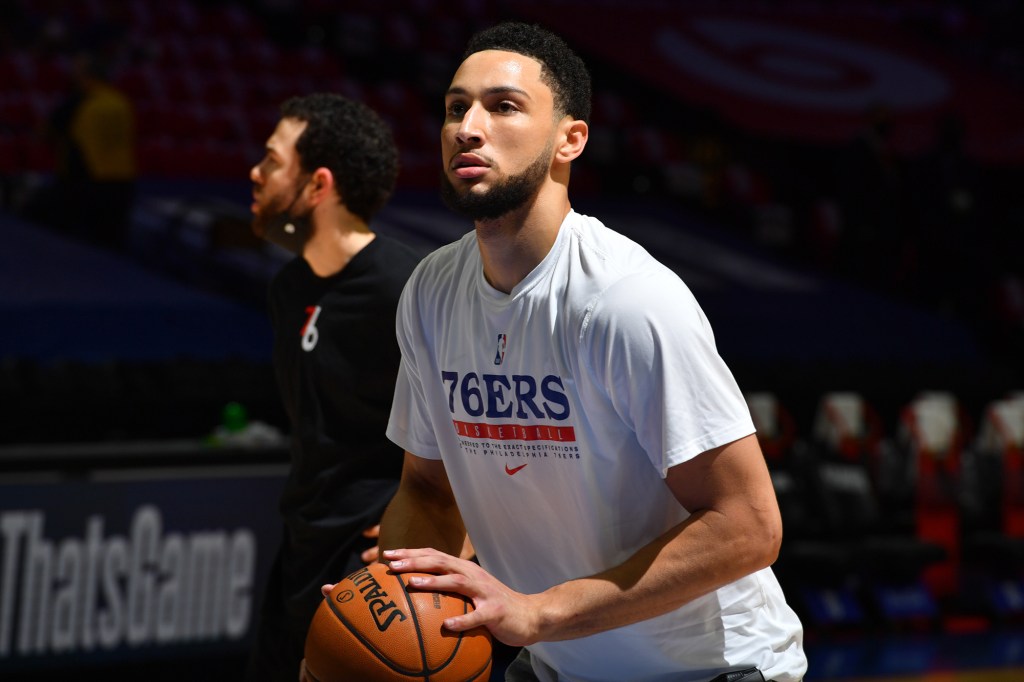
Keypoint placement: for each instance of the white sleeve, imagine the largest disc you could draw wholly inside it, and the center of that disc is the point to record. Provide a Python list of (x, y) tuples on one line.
[(409, 425), (649, 346)]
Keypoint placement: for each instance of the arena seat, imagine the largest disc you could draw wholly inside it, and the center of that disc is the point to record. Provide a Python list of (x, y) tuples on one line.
[(885, 559), (813, 567), (783, 451), (993, 537), (933, 431)]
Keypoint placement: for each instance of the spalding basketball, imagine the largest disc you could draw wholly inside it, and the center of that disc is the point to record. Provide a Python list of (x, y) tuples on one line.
[(373, 627)]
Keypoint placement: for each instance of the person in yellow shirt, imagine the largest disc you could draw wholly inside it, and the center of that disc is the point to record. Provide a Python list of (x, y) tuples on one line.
[(93, 134)]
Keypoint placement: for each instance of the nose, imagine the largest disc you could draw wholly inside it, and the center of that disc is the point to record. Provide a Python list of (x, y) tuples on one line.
[(471, 128), (254, 173)]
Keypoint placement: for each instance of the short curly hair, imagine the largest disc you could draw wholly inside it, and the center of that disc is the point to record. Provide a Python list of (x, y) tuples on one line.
[(561, 68), (353, 142)]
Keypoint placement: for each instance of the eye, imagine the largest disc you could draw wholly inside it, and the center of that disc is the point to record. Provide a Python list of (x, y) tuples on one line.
[(456, 109), (506, 107)]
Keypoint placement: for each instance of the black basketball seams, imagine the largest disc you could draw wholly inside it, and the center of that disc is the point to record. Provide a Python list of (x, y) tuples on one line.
[(475, 677), (416, 626), (366, 643), (427, 670)]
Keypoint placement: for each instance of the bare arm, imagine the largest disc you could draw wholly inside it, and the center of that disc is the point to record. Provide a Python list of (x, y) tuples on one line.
[(734, 529), (423, 512)]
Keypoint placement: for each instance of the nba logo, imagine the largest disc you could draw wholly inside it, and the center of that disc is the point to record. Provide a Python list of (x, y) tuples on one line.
[(499, 355)]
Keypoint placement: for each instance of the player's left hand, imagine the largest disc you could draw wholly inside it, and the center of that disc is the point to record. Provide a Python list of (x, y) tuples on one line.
[(373, 553), (512, 617)]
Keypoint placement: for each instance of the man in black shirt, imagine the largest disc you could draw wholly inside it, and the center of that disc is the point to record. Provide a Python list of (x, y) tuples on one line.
[(329, 166)]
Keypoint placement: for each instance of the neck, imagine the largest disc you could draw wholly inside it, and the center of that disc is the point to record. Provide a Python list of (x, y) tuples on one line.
[(514, 244), (332, 246)]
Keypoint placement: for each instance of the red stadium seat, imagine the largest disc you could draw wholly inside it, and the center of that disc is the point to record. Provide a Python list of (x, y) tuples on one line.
[(993, 506), (934, 430), (887, 555)]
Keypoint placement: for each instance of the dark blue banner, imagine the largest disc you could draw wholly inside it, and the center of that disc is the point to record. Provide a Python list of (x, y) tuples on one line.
[(146, 564)]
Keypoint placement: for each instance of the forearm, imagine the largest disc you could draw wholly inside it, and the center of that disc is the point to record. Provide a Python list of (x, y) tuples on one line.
[(701, 554), (421, 514), (412, 522)]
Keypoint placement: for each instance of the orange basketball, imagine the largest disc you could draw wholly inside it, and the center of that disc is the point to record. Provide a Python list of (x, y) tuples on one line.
[(374, 628)]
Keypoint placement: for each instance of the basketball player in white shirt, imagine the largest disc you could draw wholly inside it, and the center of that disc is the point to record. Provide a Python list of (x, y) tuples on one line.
[(561, 400)]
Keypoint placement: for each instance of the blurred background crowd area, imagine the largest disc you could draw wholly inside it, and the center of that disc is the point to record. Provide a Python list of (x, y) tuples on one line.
[(918, 207), (909, 194), (899, 203), (840, 184)]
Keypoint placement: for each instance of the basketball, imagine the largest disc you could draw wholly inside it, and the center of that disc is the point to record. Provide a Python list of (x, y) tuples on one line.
[(374, 628)]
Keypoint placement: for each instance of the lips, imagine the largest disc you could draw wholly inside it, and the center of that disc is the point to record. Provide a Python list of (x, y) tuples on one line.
[(468, 166)]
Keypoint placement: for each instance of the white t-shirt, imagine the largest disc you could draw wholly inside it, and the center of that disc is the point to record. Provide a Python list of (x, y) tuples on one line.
[(557, 410)]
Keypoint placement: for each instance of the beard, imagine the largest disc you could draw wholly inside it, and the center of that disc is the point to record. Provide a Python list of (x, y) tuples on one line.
[(277, 224), (503, 198)]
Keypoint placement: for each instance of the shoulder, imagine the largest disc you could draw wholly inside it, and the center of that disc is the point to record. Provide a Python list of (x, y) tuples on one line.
[(293, 271), (447, 264), (642, 302), (393, 248), (637, 293), (604, 255), (394, 255), (624, 272), (437, 283), (287, 283)]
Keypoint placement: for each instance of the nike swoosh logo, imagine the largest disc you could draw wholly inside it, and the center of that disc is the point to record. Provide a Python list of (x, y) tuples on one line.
[(512, 471)]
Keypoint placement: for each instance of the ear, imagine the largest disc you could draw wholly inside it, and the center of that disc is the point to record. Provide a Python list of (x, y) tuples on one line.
[(321, 186), (574, 139)]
